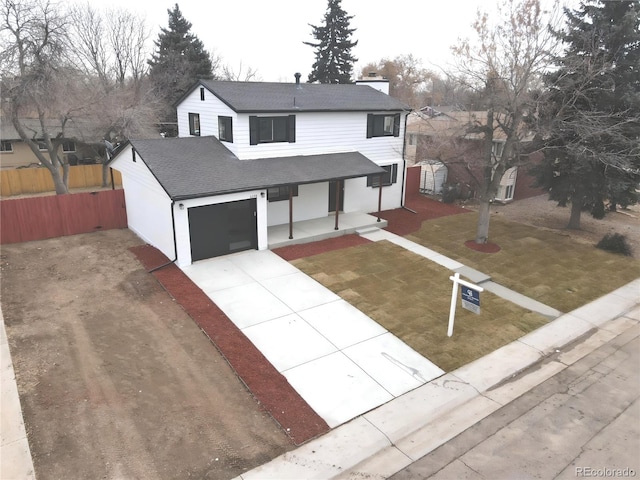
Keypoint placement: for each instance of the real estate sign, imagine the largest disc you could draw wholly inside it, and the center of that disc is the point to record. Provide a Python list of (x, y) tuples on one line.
[(470, 299)]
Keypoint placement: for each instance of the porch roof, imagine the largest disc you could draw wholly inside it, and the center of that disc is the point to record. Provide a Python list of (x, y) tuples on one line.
[(203, 166)]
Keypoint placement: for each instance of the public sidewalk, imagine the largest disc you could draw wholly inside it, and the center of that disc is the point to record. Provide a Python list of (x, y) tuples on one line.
[(389, 438)]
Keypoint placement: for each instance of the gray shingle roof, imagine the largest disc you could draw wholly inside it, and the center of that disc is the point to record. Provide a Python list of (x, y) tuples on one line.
[(203, 166), (261, 97)]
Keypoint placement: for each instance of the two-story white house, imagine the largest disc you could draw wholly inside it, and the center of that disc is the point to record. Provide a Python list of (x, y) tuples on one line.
[(251, 156)]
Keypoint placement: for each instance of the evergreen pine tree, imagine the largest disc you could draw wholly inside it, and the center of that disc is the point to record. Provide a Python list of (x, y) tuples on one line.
[(178, 62), (334, 61), (592, 145)]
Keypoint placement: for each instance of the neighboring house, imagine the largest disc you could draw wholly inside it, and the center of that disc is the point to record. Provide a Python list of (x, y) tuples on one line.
[(252, 155), (443, 136), (76, 148)]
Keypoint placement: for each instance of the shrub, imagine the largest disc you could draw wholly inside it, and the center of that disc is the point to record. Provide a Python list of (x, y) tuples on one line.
[(615, 243)]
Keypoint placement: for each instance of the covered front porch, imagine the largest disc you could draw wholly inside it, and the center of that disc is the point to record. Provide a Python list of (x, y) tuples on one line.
[(320, 228)]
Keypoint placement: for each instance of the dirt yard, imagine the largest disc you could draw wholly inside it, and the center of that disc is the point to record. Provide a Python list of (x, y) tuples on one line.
[(115, 379)]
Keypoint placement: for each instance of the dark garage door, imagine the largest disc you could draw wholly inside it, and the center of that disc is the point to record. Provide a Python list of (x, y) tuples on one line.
[(222, 228)]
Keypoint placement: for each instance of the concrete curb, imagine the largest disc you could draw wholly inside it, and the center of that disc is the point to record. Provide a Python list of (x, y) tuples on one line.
[(388, 438), (15, 455)]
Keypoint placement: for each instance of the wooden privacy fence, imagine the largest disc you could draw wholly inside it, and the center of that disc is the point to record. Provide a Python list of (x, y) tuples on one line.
[(37, 218), (38, 180)]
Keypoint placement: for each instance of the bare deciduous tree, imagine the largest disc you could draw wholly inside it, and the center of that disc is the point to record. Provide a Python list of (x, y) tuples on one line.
[(505, 63), (239, 75), (35, 78)]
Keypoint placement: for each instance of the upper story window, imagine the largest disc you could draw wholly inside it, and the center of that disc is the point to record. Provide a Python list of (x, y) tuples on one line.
[(387, 125), (413, 139), (225, 129), (194, 124), (68, 146), (272, 129), (389, 177), (6, 146), (202, 94)]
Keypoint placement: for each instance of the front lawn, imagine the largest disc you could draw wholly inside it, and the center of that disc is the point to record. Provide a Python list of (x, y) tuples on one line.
[(410, 295)]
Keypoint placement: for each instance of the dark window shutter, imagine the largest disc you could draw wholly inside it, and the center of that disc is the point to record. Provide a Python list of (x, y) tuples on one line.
[(396, 125), (230, 134), (369, 125), (370, 180), (292, 129), (253, 130), (394, 173)]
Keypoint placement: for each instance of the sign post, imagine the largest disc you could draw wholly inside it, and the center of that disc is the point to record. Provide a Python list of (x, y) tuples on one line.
[(470, 296)]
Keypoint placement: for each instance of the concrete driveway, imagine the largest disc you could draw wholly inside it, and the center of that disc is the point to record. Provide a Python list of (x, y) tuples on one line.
[(338, 359)]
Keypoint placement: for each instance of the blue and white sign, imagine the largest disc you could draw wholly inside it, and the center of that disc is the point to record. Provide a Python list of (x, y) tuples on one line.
[(470, 299)]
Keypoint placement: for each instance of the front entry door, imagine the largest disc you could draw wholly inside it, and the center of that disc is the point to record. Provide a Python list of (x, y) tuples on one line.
[(332, 195)]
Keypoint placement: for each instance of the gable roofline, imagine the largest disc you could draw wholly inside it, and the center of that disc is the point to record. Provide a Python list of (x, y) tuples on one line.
[(279, 97)]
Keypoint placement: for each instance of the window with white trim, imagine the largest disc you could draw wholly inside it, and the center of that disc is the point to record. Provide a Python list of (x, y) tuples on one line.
[(6, 146)]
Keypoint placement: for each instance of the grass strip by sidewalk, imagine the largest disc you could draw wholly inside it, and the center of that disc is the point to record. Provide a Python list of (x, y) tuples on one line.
[(410, 296), (541, 264)]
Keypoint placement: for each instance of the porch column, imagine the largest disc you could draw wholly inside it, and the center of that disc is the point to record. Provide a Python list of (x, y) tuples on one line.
[(337, 202), (290, 212), (379, 195)]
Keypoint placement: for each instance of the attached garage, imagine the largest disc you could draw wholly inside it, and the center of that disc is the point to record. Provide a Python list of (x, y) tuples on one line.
[(222, 228), (193, 199)]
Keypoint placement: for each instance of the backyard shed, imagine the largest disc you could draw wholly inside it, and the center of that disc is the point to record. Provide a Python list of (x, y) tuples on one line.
[(433, 174)]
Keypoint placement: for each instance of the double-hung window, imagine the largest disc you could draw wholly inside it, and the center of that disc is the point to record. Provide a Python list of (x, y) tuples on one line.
[(194, 124), (225, 129), (387, 125), (6, 146), (389, 177), (272, 129)]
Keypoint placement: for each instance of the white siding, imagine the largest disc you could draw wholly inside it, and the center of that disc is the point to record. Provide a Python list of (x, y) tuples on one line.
[(360, 198), (182, 219), (209, 111), (312, 202), (148, 205), (322, 132)]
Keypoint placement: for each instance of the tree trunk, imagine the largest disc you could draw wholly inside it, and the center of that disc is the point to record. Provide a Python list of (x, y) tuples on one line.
[(58, 180), (484, 214), (574, 219)]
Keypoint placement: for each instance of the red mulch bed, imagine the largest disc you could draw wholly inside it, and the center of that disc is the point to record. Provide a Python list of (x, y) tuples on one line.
[(482, 247), (270, 388), (403, 222), (302, 250)]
